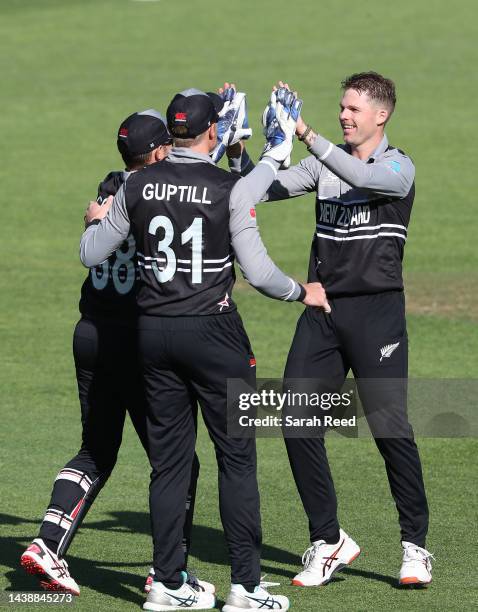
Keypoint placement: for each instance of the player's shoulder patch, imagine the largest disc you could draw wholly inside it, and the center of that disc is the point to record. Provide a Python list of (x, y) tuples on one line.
[(401, 165)]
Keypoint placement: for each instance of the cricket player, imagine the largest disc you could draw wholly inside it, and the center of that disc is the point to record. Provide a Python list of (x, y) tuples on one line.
[(107, 371), (364, 196), (190, 220)]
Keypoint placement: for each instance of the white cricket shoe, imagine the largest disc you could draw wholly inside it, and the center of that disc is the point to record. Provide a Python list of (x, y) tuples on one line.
[(160, 598), (416, 565), (322, 560), (49, 568), (239, 600), (191, 579)]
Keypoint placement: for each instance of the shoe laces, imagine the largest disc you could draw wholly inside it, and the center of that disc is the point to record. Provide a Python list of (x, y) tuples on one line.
[(416, 553), (310, 554), (193, 582), (59, 562)]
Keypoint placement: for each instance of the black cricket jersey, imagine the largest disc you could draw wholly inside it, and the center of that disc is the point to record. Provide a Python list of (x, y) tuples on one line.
[(109, 289), (179, 215), (359, 240), (362, 214)]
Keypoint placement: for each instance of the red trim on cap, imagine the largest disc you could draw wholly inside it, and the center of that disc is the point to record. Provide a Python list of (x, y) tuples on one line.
[(180, 117), (123, 132)]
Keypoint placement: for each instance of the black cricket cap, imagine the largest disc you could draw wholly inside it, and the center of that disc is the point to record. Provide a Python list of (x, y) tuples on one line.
[(142, 132), (192, 111)]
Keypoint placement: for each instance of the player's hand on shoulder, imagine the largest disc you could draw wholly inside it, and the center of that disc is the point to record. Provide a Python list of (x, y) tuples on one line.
[(98, 211), (315, 296)]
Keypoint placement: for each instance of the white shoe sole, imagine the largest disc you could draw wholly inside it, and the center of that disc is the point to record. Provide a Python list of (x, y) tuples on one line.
[(148, 605), (228, 608), (413, 581)]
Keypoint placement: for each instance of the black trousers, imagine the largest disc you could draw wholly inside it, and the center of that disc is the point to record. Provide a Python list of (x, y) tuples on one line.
[(109, 385), (185, 360), (355, 337)]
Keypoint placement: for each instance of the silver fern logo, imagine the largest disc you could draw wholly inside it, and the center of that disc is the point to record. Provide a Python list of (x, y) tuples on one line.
[(387, 350)]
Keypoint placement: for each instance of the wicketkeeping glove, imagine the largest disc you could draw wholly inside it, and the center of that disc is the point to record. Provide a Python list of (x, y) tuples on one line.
[(233, 124), (279, 120)]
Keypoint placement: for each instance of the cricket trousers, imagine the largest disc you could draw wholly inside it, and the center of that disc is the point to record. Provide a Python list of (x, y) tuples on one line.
[(187, 360), (366, 334), (109, 385)]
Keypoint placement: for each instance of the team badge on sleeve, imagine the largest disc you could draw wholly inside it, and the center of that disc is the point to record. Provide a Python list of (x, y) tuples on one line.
[(394, 165)]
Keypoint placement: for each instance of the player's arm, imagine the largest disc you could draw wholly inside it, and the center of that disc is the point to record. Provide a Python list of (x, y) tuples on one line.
[(291, 183), (107, 227), (393, 175), (256, 265)]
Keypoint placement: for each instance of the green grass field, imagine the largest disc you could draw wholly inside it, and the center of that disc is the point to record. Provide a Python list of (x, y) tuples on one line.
[(71, 70)]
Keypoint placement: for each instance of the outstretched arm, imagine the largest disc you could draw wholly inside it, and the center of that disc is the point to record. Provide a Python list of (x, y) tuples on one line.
[(295, 181), (258, 268), (393, 175)]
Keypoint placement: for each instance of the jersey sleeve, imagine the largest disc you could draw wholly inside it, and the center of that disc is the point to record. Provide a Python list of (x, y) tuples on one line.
[(256, 265), (393, 174), (100, 239), (291, 183), (109, 186)]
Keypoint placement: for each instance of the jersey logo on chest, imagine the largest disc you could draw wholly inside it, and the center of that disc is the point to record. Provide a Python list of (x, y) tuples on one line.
[(343, 216)]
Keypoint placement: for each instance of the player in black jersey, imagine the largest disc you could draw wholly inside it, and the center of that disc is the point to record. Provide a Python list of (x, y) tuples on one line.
[(364, 196), (190, 219), (109, 383)]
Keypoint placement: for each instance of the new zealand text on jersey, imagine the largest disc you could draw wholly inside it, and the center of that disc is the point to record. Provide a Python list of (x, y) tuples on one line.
[(336, 214), (164, 191)]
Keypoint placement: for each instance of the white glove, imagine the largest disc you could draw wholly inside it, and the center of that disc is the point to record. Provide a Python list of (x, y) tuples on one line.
[(233, 124), (279, 120)]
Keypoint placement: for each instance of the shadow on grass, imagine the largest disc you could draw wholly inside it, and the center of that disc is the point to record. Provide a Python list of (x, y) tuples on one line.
[(115, 583), (109, 577), (208, 545), (391, 580)]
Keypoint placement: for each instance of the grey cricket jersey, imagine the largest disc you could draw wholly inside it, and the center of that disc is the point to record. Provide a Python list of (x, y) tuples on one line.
[(362, 213), (242, 234)]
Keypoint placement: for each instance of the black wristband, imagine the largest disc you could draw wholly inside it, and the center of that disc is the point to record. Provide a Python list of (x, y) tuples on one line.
[(302, 293), (308, 129), (92, 222)]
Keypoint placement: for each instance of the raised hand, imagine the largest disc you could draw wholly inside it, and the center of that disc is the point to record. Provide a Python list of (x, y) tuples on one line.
[(233, 124), (279, 120)]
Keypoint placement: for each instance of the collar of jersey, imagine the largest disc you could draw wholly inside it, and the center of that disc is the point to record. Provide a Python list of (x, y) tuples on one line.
[(382, 147), (185, 154)]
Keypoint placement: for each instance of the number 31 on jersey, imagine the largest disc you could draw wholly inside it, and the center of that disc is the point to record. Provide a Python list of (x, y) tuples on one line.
[(169, 262)]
